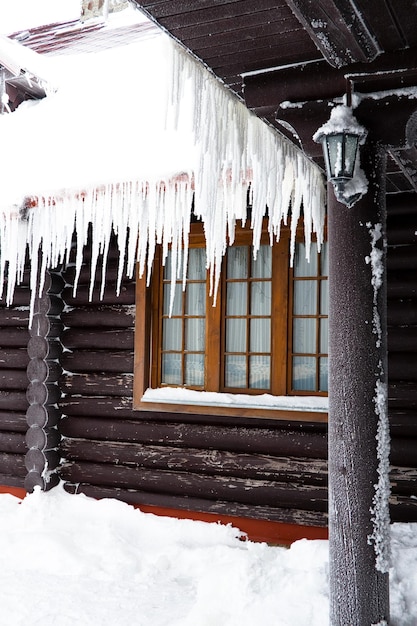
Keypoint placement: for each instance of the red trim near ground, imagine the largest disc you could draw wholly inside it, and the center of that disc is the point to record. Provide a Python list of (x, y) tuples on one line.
[(275, 533), (19, 492), (256, 530)]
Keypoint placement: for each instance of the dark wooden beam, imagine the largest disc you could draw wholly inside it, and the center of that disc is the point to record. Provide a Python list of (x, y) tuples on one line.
[(319, 81), (338, 30)]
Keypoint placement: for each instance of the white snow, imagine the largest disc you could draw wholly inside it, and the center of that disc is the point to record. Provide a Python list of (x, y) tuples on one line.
[(25, 14), (180, 395), (131, 134), (68, 559)]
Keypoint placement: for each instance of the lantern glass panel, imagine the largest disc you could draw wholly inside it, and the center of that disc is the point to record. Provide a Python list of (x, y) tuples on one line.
[(351, 145), (334, 151)]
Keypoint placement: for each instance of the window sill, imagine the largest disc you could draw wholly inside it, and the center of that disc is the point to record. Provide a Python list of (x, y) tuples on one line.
[(298, 408)]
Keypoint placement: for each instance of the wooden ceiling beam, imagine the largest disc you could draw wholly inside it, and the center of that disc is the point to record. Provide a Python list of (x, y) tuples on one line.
[(338, 30), (318, 81)]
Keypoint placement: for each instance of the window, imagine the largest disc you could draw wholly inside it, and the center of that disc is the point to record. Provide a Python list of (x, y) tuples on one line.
[(267, 333)]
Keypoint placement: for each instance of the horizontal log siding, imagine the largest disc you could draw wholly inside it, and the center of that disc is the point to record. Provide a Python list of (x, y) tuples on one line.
[(251, 468), (14, 359), (402, 360), (227, 466)]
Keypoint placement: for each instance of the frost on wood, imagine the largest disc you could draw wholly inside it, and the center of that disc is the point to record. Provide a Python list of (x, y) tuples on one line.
[(380, 536), (135, 169)]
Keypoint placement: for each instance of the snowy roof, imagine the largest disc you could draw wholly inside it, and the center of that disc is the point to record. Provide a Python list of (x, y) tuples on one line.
[(129, 137)]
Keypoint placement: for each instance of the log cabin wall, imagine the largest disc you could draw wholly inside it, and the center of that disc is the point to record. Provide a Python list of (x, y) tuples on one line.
[(14, 359), (261, 469), (402, 352)]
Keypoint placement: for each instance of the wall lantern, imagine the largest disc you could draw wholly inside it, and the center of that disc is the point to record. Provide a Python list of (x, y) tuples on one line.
[(340, 138)]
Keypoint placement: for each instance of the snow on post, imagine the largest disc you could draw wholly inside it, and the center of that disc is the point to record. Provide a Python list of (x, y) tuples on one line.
[(80, 156)]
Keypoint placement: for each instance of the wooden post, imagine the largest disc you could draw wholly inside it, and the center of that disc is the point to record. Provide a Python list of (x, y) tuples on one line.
[(358, 494)]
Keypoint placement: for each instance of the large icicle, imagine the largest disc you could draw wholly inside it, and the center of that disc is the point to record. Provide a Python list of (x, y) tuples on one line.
[(181, 135)]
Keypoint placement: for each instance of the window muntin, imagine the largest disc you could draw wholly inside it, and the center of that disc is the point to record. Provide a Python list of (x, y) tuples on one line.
[(247, 321), (308, 364), (182, 354)]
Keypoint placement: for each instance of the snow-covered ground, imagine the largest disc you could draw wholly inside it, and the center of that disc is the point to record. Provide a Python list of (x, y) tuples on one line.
[(68, 559)]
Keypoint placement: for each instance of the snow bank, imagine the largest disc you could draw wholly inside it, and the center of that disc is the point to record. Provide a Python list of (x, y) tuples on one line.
[(68, 559)]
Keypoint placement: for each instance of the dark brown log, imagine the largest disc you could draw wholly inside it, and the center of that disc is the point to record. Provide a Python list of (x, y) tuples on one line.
[(43, 393), (11, 421), (400, 313), (289, 516), (239, 440), (285, 469), (37, 479), (12, 480), (402, 257), (246, 491), (85, 273), (402, 284), (401, 230), (403, 452), (42, 416), (126, 296), (116, 408), (42, 371), (44, 348), (13, 379), (402, 339), (403, 480), (12, 464), (45, 326), (14, 317), (403, 509), (75, 338), (21, 297), (98, 361), (15, 399), (403, 423), (338, 30), (41, 438), (97, 384), (100, 317), (402, 366), (12, 442), (13, 358), (14, 337), (40, 460), (53, 283), (402, 395)]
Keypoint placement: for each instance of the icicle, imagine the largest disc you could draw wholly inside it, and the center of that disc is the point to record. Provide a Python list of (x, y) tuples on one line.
[(229, 152)]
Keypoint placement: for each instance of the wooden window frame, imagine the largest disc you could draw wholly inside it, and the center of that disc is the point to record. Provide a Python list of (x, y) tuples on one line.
[(148, 334)]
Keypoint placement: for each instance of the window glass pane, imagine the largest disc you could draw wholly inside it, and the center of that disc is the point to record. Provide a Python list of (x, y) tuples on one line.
[(176, 310), (324, 330), (196, 269), (195, 299), (194, 370), (305, 297), (304, 335), (301, 266), (235, 371), (235, 335), (304, 373), (260, 303), (324, 386), (324, 259), (260, 335), (237, 262), (171, 334), (168, 265), (237, 294), (262, 265), (171, 369), (324, 297), (259, 372), (195, 334)]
